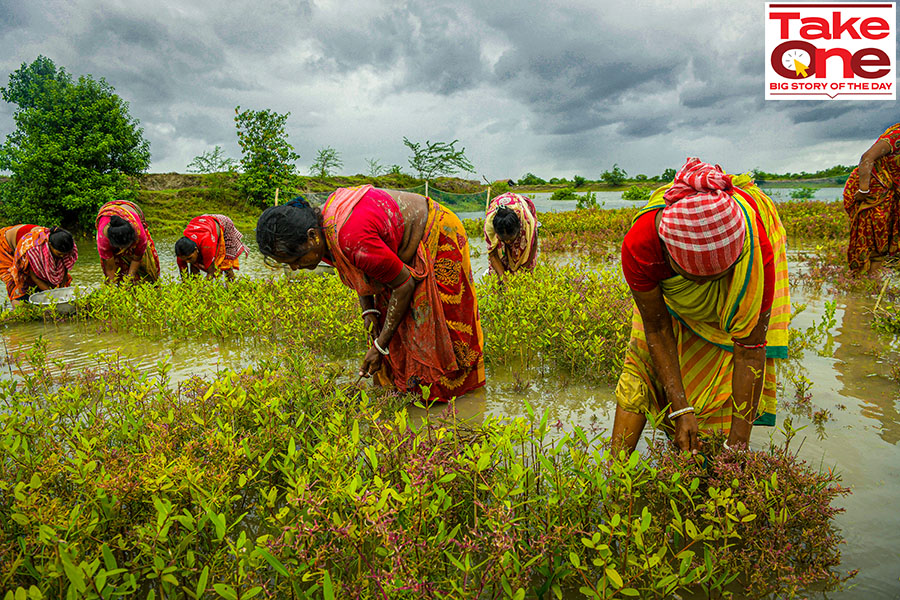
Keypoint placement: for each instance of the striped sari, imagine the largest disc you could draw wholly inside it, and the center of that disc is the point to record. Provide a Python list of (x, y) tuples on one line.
[(707, 317)]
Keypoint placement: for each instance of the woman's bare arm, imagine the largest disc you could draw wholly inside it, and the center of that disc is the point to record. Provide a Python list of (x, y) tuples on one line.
[(747, 380), (663, 351)]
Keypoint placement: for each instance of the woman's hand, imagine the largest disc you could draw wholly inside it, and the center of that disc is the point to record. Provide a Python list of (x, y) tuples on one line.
[(370, 324), (371, 364), (686, 432)]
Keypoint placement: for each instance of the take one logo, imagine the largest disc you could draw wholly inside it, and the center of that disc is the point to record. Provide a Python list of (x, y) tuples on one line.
[(830, 51)]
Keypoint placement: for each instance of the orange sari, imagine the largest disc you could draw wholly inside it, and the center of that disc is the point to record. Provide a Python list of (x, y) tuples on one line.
[(875, 222), (439, 343)]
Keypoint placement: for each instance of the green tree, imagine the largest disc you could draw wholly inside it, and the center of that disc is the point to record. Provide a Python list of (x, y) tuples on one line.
[(328, 160), (614, 177), (668, 175), (374, 168), (579, 181), (531, 179), (73, 148), (213, 161), (267, 157), (437, 159)]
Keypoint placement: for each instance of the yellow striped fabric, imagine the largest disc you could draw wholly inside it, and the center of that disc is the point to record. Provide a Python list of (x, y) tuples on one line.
[(705, 318)]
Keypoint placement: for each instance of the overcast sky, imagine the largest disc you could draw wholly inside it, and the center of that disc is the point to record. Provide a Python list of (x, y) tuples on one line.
[(554, 88)]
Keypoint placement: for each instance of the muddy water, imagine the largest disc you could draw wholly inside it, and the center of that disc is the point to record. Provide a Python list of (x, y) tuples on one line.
[(850, 380)]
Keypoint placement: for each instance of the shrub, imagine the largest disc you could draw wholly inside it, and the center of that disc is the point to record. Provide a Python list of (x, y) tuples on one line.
[(564, 194), (278, 482), (637, 193), (803, 193)]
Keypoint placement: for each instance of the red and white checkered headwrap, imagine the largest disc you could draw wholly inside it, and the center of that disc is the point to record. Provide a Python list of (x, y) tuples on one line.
[(702, 225)]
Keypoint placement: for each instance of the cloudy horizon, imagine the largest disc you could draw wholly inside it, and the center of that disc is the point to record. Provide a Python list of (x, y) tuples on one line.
[(556, 89)]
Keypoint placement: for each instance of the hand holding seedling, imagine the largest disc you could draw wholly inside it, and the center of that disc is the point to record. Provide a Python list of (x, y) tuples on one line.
[(371, 362)]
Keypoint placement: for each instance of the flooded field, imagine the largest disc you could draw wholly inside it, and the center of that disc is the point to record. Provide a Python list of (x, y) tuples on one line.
[(849, 379)]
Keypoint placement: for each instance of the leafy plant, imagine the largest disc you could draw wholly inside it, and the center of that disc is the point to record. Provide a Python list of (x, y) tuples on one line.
[(280, 481), (587, 201), (614, 176), (564, 194), (212, 161), (436, 159), (268, 159), (374, 168), (637, 193), (74, 144), (328, 160), (803, 193), (578, 181), (531, 179)]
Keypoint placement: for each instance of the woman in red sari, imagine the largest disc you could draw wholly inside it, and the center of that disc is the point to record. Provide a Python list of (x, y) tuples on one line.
[(872, 200), (407, 257), (35, 258), (126, 249), (211, 244)]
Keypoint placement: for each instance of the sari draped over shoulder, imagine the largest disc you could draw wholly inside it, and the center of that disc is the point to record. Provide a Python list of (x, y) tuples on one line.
[(522, 252), (439, 342), (707, 317), (7, 255), (219, 242), (875, 221), (33, 255), (143, 250)]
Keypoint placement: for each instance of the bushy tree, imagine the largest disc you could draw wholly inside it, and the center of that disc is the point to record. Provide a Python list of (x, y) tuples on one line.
[(73, 147), (328, 160), (213, 161), (531, 179), (268, 159), (615, 176), (668, 175), (437, 159), (579, 181)]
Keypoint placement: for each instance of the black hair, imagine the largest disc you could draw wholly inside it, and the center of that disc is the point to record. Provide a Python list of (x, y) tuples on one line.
[(281, 230), (506, 221), (120, 233), (185, 247), (61, 240)]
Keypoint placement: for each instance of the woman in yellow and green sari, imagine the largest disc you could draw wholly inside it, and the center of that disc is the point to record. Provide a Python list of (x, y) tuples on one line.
[(706, 263)]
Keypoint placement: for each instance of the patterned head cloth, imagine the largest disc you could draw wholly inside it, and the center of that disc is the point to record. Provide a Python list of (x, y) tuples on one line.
[(702, 225)]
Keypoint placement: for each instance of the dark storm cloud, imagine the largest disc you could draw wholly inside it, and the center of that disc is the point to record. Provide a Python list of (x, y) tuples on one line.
[(433, 45), (154, 58), (14, 14), (577, 82)]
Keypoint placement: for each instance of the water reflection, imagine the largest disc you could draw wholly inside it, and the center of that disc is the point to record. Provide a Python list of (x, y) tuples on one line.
[(862, 439), (862, 356)]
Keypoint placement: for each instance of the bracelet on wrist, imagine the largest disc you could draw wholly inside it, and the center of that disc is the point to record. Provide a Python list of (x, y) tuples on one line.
[(678, 413), (750, 346), (371, 311), (735, 447), (384, 351)]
